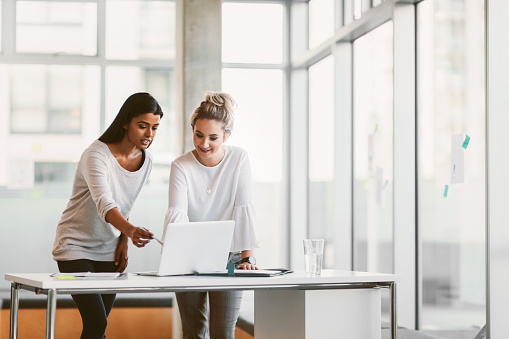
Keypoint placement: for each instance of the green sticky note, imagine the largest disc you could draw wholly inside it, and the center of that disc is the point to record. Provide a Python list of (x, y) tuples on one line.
[(66, 277), (465, 143), (376, 129), (231, 270), (446, 190)]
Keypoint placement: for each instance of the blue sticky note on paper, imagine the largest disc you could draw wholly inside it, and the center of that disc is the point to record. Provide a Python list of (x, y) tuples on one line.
[(465, 143), (446, 190)]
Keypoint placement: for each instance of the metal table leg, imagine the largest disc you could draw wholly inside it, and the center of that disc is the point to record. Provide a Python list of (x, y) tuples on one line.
[(13, 334), (394, 321), (50, 314)]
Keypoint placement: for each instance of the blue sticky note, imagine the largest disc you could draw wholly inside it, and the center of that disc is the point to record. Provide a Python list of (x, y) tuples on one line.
[(446, 190), (465, 143)]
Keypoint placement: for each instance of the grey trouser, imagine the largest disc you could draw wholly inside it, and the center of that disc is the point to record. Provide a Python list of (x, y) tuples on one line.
[(222, 313)]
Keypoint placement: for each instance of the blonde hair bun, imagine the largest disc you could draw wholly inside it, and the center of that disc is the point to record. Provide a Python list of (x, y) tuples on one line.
[(220, 99), (217, 106)]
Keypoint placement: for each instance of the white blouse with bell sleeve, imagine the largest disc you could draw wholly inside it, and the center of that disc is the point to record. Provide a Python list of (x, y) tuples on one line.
[(222, 192)]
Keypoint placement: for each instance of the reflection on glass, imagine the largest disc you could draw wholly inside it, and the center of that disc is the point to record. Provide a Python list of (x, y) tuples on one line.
[(451, 102), (259, 129), (321, 21), (123, 81), (54, 172), (48, 99), (56, 27), (373, 151), (245, 40), (140, 29), (321, 156)]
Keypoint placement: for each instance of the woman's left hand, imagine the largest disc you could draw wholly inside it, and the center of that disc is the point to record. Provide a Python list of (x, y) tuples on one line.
[(247, 266), (121, 257)]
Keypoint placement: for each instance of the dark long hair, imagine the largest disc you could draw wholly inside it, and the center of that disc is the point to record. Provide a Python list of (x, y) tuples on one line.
[(136, 104)]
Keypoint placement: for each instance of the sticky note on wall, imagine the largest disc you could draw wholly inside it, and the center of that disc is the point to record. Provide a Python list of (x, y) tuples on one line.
[(466, 141)]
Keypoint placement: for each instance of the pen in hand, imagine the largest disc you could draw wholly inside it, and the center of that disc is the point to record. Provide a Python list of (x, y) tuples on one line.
[(153, 236)]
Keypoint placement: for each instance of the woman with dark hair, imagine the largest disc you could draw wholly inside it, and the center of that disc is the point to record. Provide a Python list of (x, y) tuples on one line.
[(93, 231)]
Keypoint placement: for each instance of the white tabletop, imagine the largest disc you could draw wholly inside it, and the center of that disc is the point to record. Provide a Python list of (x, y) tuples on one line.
[(44, 281)]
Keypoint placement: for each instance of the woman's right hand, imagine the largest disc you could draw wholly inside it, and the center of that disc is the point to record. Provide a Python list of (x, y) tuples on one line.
[(140, 236)]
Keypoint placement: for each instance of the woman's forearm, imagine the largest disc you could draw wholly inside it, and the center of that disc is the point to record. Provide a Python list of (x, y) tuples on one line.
[(139, 236), (123, 238), (115, 218), (247, 253)]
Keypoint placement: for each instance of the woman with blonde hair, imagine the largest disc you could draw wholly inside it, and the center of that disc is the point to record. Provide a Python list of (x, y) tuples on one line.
[(213, 182)]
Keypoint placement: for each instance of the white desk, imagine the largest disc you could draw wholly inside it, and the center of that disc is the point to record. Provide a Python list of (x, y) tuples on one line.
[(288, 306)]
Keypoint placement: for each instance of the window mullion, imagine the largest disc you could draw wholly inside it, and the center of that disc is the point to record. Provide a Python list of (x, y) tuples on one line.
[(8, 28)]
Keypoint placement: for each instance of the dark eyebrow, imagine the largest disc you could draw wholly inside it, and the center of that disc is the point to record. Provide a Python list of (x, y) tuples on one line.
[(146, 123)]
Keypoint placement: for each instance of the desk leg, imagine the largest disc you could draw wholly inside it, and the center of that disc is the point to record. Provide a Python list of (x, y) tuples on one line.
[(394, 320), (13, 334), (50, 314), (177, 321)]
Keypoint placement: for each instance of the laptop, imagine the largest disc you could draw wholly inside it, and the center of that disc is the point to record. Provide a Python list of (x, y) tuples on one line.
[(193, 247)]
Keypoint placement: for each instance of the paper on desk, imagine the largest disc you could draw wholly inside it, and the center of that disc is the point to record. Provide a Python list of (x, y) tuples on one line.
[(86, 275)]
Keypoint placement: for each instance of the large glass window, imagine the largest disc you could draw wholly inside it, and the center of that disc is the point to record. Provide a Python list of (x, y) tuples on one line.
[(451, 169), (258, 126), (245, 40), (373, 151), (140, 29), (321, 21), (48, 99), (321, 156), (56, 106), (258, 129), (56, 27)]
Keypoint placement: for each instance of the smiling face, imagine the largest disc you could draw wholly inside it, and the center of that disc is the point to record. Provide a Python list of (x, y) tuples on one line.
[(208, 139), (142, 130)]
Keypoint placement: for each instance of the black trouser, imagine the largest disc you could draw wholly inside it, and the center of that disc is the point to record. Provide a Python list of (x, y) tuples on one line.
[(94, 308)]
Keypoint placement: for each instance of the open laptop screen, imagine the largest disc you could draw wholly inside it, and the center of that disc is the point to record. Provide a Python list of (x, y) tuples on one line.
[(192, 247)]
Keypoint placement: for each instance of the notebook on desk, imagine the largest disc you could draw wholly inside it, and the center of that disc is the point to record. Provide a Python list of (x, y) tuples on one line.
[(267, 272), (194, 247)]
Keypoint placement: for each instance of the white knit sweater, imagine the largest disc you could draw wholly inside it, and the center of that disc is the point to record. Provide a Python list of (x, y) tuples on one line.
[(100, 184)]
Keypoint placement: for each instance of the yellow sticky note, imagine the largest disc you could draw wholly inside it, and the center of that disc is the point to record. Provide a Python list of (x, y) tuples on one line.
[(66, 277)]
